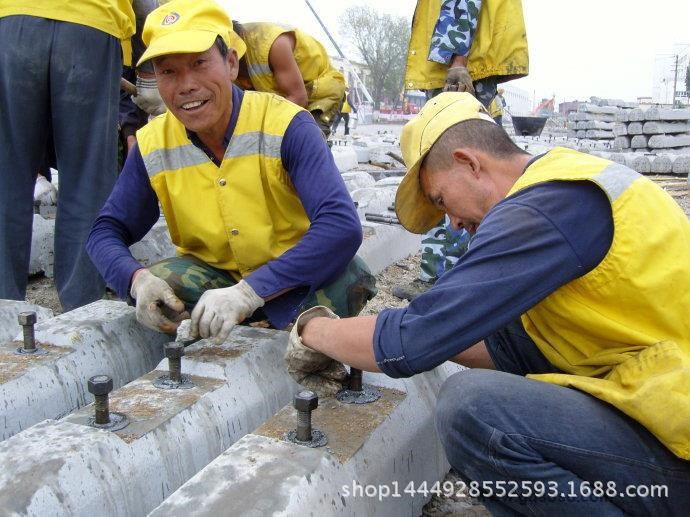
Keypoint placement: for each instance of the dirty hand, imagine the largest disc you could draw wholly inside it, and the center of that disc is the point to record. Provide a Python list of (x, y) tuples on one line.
[(310, 368), (218, 310), (148, 98), (458, 80), (157, 306), (45, 192)]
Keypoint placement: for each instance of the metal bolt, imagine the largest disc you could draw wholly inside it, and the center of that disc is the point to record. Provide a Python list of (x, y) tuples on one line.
[(100, 386), (174, 352), (355, 379), (305, 402), (27, 321)]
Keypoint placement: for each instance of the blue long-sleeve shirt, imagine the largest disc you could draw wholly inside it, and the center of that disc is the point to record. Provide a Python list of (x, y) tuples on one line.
[(527, 246), (454, 30), (324, 251)]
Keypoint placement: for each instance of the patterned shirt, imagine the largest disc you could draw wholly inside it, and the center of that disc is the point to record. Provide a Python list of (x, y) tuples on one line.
[(454, 31)]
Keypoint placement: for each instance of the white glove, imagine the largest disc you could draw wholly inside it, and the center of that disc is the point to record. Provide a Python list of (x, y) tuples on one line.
[(458, 80), (218, 310), (45, 192), (312, 369), (157, 306), (148, 98)]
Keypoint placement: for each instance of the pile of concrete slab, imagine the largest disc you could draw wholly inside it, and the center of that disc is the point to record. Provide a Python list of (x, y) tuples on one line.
[(592, 122), (653, 130)]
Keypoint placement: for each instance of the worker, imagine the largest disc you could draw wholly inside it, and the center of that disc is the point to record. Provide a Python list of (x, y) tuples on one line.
[(460, 45), (248, 187), (59, 68), (573, 323), (291, 63), (496, 107), (344, 114)]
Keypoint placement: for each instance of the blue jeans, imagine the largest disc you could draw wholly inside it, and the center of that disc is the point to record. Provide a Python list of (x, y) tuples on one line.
[(63, 76), (501, 428)]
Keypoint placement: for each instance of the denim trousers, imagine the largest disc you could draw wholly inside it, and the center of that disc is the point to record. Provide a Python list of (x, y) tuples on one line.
[(58, 81), (551, 450)]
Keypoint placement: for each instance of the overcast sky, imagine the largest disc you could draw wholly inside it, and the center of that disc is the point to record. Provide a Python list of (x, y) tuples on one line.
[(578, 48)]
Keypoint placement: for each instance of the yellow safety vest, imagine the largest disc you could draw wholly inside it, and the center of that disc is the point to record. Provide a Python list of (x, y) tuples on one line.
[(325, 85), (499, 47), (115, 17), (622, 331), (346, 107), (240, 215), (495, 107)]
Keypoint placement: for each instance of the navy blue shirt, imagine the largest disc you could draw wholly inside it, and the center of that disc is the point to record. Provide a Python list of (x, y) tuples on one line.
[(527, 246), (322, 254)]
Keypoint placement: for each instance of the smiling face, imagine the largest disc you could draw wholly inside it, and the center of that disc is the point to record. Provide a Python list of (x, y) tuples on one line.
[(197, 89)]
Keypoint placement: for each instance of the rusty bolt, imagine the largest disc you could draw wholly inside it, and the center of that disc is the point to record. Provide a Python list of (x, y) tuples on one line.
[(27, 320), (174, 352), (355, 379), (305, 402), (99, 386)]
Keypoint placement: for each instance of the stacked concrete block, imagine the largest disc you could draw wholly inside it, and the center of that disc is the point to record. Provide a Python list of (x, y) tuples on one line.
[(652, 130), (593, 122)]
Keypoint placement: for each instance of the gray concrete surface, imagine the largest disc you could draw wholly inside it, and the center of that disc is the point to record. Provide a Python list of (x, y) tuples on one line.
[(10, 309)]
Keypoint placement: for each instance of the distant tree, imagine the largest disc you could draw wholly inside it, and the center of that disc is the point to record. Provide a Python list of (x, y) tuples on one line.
[(382, 41)]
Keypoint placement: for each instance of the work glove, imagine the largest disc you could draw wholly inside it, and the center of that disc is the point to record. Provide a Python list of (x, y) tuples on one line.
[(458, 80), (312, 369), (148, 98), (218, 310), (45, 192), (157, 306)]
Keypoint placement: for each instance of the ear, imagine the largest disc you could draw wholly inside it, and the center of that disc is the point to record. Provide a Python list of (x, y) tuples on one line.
[(234, 63), (469, 158)]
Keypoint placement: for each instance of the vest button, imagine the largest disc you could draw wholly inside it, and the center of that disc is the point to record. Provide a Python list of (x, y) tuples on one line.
[(221, 182), (235, 231), (413, 52)]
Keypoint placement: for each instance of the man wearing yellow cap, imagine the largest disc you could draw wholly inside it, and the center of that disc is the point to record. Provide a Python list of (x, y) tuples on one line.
[(248, 187), (570, 306)]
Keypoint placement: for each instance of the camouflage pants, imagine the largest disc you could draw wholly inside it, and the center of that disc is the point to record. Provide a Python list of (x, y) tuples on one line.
[(190, 277), (442, 246)]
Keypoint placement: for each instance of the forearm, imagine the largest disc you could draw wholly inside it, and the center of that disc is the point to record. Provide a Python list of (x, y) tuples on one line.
[(454, 31), (349, 340)]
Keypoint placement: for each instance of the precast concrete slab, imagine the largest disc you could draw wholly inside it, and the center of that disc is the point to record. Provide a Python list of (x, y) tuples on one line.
[(374, 452), (100, 338), (69, 468), (10, 309), (345, 157), (41, 259), (386, 244)]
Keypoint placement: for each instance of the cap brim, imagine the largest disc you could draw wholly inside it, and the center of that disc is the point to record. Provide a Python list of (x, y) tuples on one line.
[(414, 210), (189, 42)]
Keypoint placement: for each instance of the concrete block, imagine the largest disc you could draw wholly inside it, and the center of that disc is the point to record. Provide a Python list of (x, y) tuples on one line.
[(636, 115), (668, 141), (681, 164), (42, 248), (357, 179), (621, 142), (635, 128), (9, 309), (374, 199), (386, 244), (620, 129), (379, 154), (659, 127), (100, 338), (363, 154), (593, 108), (662, 164), (582, 133), (667, 114), (618, 158), (597, 124), (600, 134), (622, 115), (641, 164), (394, 444), (345, 157), (155, 246), (68, 468), (639, 142)]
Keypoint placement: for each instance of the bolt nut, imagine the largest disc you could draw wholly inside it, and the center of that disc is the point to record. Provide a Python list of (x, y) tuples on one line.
[(306, 400), (26, 318), (174, 350), (100, 385)]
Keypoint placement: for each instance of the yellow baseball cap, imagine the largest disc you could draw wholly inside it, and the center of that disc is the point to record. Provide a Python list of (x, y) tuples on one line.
[(415, 211), (187, 26)]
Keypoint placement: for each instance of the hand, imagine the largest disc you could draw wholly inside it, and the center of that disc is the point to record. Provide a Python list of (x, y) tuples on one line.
[(310, 368), (458, 80), (218, 310), (45, 192), (148, 98), (157, 306)]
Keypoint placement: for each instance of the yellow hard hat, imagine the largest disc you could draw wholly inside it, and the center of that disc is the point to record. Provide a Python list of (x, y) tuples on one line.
[(415, 211), (187, 26)]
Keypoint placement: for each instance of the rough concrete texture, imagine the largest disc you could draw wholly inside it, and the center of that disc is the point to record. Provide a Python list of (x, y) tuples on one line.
[(639, 142), (658, 128), (63, 468), (357, 179), (155, 246), (681, 165), (9, 309), (345, 157), (635, 128), (662, 164), (596, 124), (599, 134), (378, 154), (640, 163), (667, 114), (636, 115), (374, 199), (620, 129), (622, 115), (42, 248), (621, 142), (263, 475), (386, 244), (668, 141), (100, 338)]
